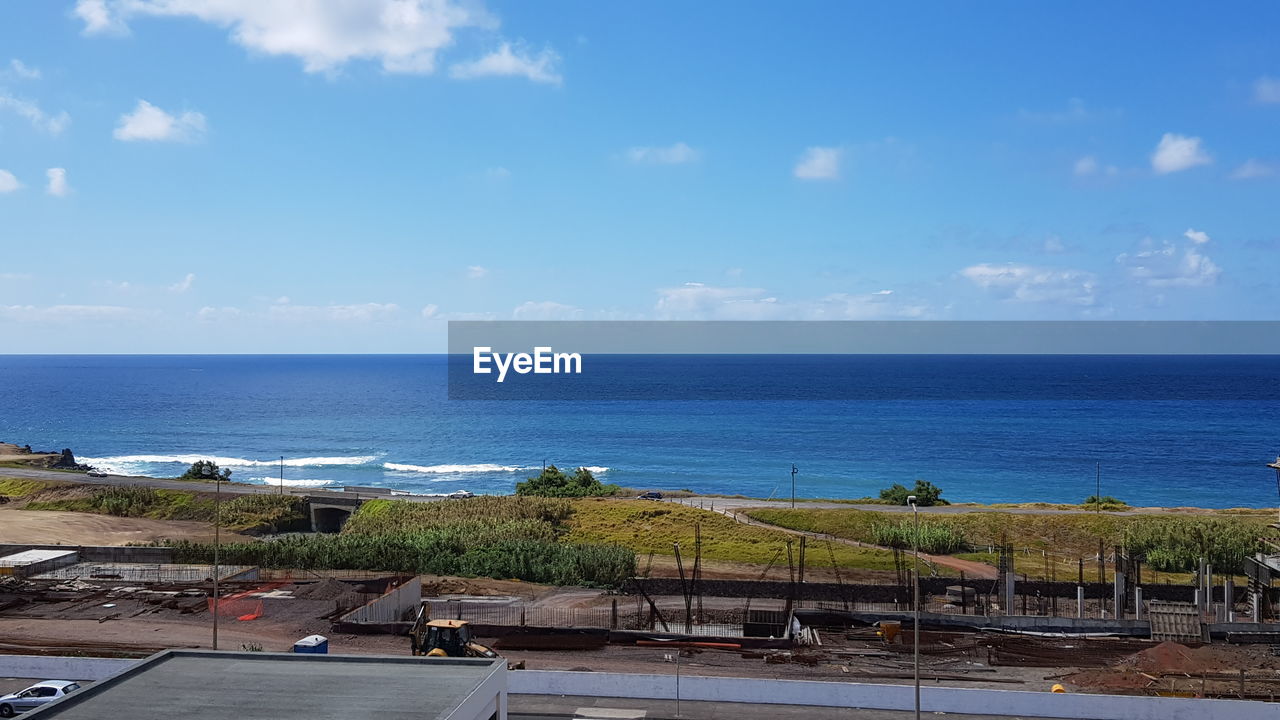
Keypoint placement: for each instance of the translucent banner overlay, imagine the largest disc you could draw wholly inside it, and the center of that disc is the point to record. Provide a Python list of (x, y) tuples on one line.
[(586, 361)]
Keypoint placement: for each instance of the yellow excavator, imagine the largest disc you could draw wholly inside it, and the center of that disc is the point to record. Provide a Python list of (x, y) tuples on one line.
[(444, 638)]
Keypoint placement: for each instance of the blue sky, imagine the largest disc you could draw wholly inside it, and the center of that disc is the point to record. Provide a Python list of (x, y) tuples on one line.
[(236, 176)]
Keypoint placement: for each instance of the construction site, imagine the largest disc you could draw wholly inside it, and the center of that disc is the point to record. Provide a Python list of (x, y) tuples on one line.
[(1213, 639)]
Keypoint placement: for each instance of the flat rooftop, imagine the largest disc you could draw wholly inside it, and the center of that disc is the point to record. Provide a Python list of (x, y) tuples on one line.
[(194, 685), (28, 557)]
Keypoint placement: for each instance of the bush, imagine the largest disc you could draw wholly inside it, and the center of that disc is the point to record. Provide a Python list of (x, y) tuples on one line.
[(552, 482), (198, 469), (1106, 502), (926, 493)]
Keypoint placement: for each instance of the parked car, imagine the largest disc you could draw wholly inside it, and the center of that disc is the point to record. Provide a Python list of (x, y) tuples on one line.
[(651, 495), (96, 473), (35, 696), (461, 494)]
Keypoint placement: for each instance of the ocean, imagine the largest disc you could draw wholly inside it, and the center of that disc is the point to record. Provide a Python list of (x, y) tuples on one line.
[(1166, 430)]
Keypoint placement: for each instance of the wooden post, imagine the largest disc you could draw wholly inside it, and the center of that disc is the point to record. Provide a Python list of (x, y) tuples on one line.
[(613, 620)]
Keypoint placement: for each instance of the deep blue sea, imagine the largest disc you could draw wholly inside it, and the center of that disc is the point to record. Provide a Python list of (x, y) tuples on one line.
[(1167, 430)]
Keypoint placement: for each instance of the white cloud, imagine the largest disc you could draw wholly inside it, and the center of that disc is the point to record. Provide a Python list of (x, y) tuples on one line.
[(475, 272), (358, 313), (1086, 165), (1267, 90), (1053, 245), (148, 122), (184, 284), (511, 62), (498, 173), (697, 301), (404, 36), (1198, 237), (677, 154), (430, 311), (1076, 111), (98, 17), (1178, 152), (1164, 265), (63, 313), (8, 183), (546, 310), (1252, 169), (58, 185), (1031, 284), (39, 119), (819, 163), (211, 314), (21, 71)]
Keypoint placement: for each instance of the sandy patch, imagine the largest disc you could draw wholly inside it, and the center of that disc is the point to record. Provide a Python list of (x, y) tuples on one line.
[(50, 527)]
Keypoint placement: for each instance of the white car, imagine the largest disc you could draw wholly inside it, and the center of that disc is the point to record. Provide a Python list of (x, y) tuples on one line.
[(35, 696), (461, 494)]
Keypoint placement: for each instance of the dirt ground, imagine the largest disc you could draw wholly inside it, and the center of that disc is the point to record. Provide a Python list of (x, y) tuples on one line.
[(48, 527)]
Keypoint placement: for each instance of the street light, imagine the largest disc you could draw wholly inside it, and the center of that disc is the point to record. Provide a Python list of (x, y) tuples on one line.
[(915, 542)]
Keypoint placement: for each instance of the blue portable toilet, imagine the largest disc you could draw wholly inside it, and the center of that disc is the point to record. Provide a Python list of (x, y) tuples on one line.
[(312, 644)]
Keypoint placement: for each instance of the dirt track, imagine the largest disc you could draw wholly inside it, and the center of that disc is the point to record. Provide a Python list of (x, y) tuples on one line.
[(49, 527)]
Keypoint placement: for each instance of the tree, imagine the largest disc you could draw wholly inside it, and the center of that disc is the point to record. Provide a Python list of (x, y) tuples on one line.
[(926, 494), (553, 482), (198, 469)]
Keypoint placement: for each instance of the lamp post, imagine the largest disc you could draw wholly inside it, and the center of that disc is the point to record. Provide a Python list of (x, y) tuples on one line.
[(915, 543)]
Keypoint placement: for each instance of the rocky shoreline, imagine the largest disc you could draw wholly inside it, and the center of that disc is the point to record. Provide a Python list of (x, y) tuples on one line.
[(48, 459)]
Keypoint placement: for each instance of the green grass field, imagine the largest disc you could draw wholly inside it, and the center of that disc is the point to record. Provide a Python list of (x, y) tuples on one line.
[(655, 527), (1051, 545)]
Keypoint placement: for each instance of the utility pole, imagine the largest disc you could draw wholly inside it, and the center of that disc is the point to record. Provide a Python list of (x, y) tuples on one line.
[(915, 542), (793, 485), (1097, 483), (207, 471)]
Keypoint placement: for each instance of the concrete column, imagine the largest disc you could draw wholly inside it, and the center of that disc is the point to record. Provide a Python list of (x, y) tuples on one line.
[(1080, 601), (1117, 593), (1228, 599), (1255, 606), (1137, 602), (1200, 600)]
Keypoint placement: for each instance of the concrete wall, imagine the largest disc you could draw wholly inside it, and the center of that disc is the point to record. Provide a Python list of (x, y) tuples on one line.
[(390, 607), (42, 667), (883, 697)]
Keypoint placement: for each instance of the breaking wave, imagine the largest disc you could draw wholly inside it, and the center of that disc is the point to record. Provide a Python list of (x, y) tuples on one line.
[(136, 464), (452, 469), (291, 482)]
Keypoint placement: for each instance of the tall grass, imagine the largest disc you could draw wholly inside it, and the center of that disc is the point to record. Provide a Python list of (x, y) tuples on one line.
[(1176, 544), (934, 537), (384, 516), (241, 512), (442, 552)]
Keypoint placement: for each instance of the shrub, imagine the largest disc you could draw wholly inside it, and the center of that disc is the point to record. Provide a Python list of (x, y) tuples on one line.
[(552, 482), (926, 493), (205, 470)]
